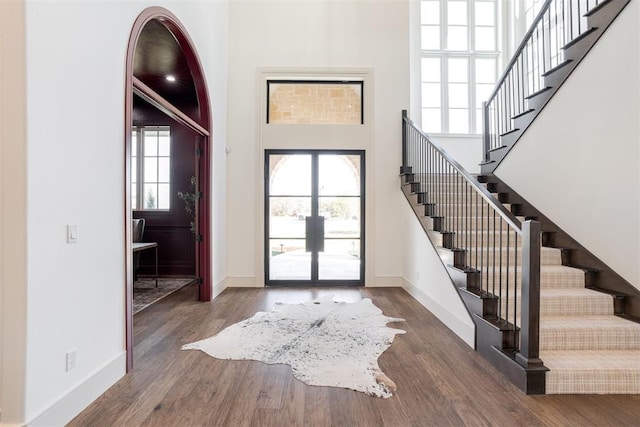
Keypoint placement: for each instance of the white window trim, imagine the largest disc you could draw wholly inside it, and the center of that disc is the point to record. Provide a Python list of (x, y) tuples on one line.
[(502, 16), (139, 206)]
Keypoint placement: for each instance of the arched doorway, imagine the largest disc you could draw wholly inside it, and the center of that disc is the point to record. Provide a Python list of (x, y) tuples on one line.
[(163, 71)]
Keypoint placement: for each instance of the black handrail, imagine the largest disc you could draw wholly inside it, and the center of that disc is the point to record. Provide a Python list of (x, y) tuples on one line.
[(521, 47), (499, 207), (484, 236), (558, 24)]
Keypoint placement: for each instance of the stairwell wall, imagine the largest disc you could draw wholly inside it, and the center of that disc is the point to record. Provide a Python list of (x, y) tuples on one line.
[(427, 280), (579, 161)]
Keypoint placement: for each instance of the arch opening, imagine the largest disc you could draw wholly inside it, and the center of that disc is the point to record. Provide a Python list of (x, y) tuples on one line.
[(165, 83)]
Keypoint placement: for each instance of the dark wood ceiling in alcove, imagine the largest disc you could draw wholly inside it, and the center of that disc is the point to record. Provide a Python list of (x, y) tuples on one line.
[(158, 55)]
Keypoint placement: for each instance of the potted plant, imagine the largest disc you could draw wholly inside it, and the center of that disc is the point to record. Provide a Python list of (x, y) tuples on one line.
[(189, 199)]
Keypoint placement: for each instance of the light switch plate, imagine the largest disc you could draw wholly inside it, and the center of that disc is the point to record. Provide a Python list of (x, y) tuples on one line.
[(72, 233)]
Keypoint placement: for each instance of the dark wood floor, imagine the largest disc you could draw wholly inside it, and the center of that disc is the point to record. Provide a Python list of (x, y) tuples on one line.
[(441, 381)]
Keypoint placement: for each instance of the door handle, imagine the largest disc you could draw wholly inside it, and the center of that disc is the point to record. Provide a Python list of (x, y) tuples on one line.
[(314, 233)]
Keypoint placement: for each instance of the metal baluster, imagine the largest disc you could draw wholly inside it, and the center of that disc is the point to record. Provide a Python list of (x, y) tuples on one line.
[(421, 148), (488, 241), (506, 314), (564, 24), (468, 217), (479, 244), (432, 172), (493, 290), (440, 204), (500, 272), (579, 15), (515, 292), (447, 196), (475, 265), (457, 192), (570, 13), (555, 29), (546, 56)]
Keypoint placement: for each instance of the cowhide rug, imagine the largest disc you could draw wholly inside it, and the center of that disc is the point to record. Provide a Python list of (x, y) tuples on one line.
[(326, 343)]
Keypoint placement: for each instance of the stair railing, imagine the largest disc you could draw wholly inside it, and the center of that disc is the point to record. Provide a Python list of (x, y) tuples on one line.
[(500, 255), (558, 25)]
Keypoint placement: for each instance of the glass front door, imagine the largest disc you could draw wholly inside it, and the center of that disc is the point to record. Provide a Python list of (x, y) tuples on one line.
[(314, 214)]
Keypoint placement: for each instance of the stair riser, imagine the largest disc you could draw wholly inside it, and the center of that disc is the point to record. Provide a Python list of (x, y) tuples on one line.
[(547, 280), (593, 382), (504, 239), (524, 120), (486, 256), (569, 307), (467, 225)]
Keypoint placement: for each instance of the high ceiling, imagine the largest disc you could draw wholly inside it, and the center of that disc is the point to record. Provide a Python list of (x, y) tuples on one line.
[(159, 55)]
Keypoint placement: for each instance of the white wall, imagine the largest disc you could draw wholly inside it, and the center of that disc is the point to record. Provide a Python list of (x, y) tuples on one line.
[(465, 149), (75, 107), (426, 279), (579, 161), (321, 35)]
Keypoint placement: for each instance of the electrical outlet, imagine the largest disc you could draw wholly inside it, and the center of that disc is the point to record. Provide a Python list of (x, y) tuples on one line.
[(72, 359)]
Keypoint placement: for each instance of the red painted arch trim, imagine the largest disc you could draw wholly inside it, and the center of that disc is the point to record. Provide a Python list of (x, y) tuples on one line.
[(203, 253)]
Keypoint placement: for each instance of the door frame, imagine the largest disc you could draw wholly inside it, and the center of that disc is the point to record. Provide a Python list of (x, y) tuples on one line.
[(202, 128), (276, 136), (266, 237)]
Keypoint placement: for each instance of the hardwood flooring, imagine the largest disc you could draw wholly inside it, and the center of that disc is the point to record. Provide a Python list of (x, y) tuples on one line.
[(441, 381)]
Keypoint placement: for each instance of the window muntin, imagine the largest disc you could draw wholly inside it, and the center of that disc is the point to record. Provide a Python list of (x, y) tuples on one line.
[(459, 63), (151, 168), (317, 102)]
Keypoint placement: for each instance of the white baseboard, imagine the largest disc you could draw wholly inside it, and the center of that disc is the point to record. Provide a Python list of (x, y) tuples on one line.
[(241, 282), (386, 282), (464, 329), (78, 398), (218, 288), (250, 282)]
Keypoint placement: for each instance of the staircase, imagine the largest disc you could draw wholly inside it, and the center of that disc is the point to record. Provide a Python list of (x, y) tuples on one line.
[(549, 315), (588, 343), (560, 37), (537, 320)]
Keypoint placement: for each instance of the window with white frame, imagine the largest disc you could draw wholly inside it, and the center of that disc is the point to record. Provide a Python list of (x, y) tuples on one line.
[(531, 9), (459, 63), (151, 168)]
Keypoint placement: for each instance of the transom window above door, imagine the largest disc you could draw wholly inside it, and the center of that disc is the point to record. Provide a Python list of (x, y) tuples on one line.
[(151, 168), (315, 102)]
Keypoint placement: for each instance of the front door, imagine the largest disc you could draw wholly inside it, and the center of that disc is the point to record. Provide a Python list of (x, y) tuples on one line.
[(314, 214)]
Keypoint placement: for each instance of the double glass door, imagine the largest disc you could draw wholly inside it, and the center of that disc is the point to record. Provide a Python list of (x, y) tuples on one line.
[(314, 214)]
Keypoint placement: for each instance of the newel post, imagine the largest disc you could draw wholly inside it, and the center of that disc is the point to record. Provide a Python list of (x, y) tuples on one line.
[(486, 132), (404, 169), (529, 354)]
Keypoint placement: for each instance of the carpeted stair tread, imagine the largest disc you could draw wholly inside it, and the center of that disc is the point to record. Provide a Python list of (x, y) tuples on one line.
[(592, 371), (588, 333)]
